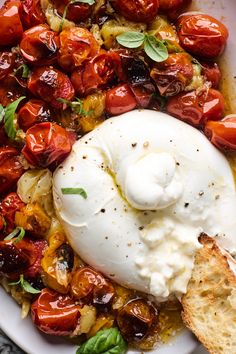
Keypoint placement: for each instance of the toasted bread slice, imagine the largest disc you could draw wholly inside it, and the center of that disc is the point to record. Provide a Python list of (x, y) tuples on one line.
[(209, 306)]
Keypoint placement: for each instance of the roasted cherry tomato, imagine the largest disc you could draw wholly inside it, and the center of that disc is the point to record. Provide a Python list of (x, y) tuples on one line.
[(76, 12), (50, 84), (77, 45), (46, 144), (222, 133), (120, 99), (7, 61), (39, 45), (11, 89), (197, 108), (32, 13), (133, 70), (97, 73), (10, 168), (55, 314), (174, 74), (11, 26), (212, 73), (23, 257), (202, 35), (136, 319), (90, 286), (33, 112), (8, 207), (137, 10), (172, 8)]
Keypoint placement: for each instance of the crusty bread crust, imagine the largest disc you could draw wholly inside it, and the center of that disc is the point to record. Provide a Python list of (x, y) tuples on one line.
[(209, 306)]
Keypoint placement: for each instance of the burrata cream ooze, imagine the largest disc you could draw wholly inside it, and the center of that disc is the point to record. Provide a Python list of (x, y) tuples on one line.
[(153, 184)]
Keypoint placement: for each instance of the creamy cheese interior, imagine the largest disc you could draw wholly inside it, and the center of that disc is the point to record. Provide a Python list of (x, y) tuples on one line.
[(153, 184)]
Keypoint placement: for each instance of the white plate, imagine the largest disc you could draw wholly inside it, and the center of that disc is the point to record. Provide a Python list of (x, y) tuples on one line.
[(22, 332)]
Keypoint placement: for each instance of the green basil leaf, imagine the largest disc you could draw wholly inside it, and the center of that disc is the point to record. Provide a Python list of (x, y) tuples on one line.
[(76, 106), (15, 283), (19, 232), (89, 2), (107, 341), (155, 49), (79, 191), (25, 71), (27, 287), (131, 39), (2, 113), (10, 116)]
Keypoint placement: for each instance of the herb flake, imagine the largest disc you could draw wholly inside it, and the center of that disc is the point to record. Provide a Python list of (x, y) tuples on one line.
[(73, 191), (9, 117), (19, 232), (25, 285)]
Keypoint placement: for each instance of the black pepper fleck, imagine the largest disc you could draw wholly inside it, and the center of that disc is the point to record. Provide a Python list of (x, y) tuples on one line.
[(201, 193), (186, 205), (141, 228), (134, 145), (103, 210)]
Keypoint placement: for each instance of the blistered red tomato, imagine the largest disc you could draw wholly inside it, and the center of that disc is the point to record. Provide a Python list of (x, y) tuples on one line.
[(89, 286), (137, 10), (33, 112), (55, 314), (39, 45), (172, 8), (46, 144), (10, 168), (77, 45), (8, 207), (32, 13), (76, 12), (222, 133), (197, 108), (96, 73), (50, 84), (7, 61), (11, 89), (174, 74), (10, 24), (212, 73), (202, 35), (120, 99)]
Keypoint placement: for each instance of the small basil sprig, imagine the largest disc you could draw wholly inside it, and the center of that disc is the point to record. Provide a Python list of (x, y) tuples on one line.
[(79, 191), (9, 116), (76, 106), (24, 69), (2, 113), (25, 285), (153, 47), (88, 2), (19, 233), (106, 341)]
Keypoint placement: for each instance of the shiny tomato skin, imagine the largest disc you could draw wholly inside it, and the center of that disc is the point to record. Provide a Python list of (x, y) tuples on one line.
[(38, 249), (143, 94), (39, 45), (11, 26), (7, 61), (172, 8), (32, 13), (222, 133), (212, 73), (137, 10), (120, 99), (46, 144), (96, 73), (8, 207), (10, 168), (174, 74), (10, 90), (77, 45), (76, 12), (202, 35), (34, 111), (197, 108), (49, 84), (55, 314)]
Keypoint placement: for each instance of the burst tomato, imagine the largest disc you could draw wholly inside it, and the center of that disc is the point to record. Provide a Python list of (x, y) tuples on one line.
[(32, 14), (11, 89), (222, 133), (11, 26), (137, 10), (90, 286), (97, 73), (197, 108), (50, 84), (8, 207), (76, 12), (212, 73), (55, 314), (120, 99), (174, 74), (77, 46), (10, 168), (46, 144), (34, 111), (39, 45), (202, 35)]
